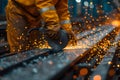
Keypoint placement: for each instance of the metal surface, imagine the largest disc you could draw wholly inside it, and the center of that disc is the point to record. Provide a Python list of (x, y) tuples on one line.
[(48, 67), (102, 70), (14, 60)]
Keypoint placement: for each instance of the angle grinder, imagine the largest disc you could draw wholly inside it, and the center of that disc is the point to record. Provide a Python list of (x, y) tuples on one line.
[(55, 44)]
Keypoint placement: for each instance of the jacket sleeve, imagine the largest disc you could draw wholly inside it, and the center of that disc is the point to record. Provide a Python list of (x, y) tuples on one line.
[(48, 13), (64, 16)]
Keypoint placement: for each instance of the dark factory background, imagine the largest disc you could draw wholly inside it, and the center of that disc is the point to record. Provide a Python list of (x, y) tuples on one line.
[(79, 7), (3, 3)]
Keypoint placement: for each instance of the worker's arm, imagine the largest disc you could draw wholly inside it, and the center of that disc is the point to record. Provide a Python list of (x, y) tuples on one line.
[(48, 13), (64, 16)]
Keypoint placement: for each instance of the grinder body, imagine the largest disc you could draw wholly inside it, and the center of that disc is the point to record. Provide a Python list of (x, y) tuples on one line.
[(56, 44)]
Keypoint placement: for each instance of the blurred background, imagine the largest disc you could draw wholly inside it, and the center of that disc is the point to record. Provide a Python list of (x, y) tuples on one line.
[(79, 9), (3, 3)]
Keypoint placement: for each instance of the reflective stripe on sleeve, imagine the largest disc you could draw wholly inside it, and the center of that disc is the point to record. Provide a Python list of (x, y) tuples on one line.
[(45, 9), (65, 22)]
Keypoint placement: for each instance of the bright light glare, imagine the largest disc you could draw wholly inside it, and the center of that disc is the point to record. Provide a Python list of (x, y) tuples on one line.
[(86, 3), (78, 1)]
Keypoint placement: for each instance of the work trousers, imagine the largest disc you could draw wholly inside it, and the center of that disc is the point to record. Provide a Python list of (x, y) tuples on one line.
[(18, 24)]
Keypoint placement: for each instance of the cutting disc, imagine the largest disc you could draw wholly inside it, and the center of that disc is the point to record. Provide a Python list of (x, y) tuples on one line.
[(59, 44)]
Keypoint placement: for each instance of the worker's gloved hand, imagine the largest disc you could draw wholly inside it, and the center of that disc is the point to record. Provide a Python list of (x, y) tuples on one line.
[(72, 37), (52, 34)]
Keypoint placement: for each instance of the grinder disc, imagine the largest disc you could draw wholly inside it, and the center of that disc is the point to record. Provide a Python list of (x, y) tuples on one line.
[(59, 44)]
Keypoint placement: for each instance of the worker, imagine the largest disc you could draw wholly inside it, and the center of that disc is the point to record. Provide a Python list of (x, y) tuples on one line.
[(23, 15)]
